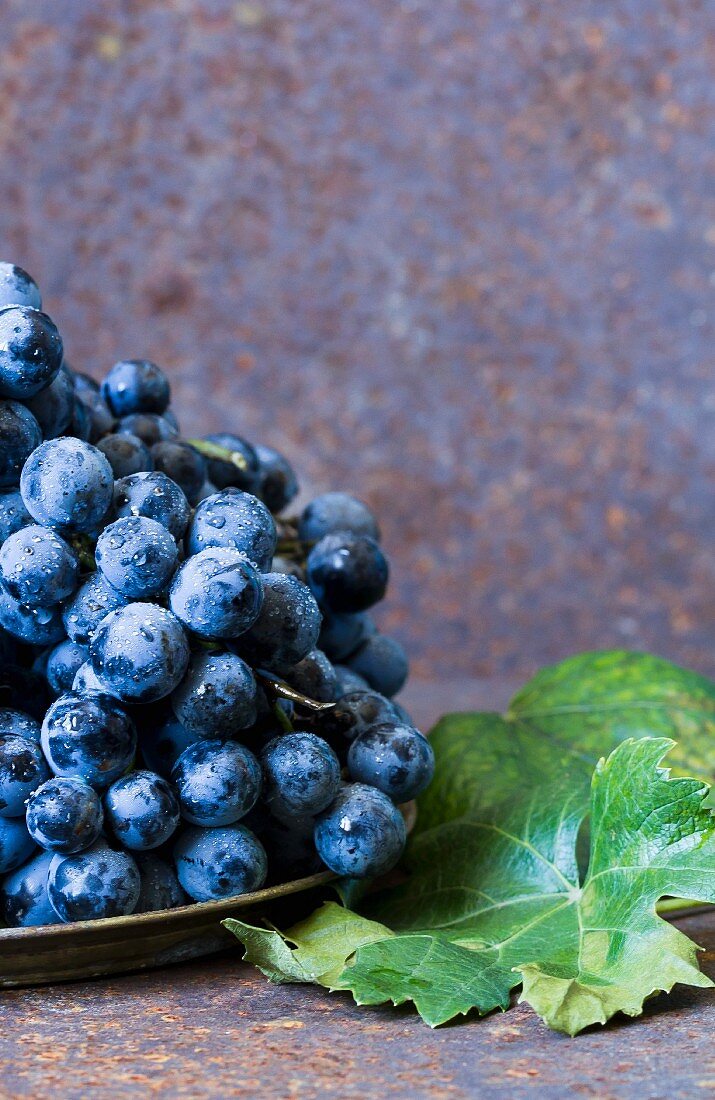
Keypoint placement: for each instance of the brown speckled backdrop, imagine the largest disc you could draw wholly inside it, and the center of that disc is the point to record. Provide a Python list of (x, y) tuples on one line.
[(457, 257)]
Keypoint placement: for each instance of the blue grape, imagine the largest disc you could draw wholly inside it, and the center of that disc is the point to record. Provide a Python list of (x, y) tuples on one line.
[(183, 465), (13, 514), (162, 741), (53, 407), (17, 288), (30, 352), (217, 696), (22, 769), (37, 567), (40, 626), (126, 454), (16, 844), (136, 555), (88, 737), (224, 474), (15, 723), (67, 483), (381, 661), (315, 677), (150, 427), (217, 593), (220, 863), (301, 775), (64, 815), (287, 626), (142, 810), (277, 483), (218, 782), (395, 758), (99, 415), (347, 573), (140, 652), (354, 713), (155, 496), (170, 416), (93, 884), (63, 662), (160, 886), (236, 520), (336, 512), (341, 635), (20, 435), (86, 680), (136, 386), (24, 900), (81, 425), (349, 681), (92, 602), (361, 834), (290, 847)]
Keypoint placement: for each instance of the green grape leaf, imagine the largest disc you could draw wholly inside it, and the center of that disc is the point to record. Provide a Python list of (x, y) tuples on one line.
[(650, 836), (442, 979), (493, 896), (593, 701), (582, 707), (314, 950)]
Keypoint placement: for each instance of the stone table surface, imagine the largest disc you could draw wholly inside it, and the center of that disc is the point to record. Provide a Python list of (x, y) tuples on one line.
[(216, 1028)]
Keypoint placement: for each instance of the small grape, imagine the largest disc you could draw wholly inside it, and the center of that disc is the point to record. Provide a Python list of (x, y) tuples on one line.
[(220, 863), (126, 454), (217, 593), (142, 810), (217, 782), (20, 435), (22, 769), (140, 652), (24, 901), (64, 815), (381, 661), (336, 512), (395, 758), (30, 352), (301, 775), (136, 386), (93, 884), (136, 556), (238, 521), (361, 834), (17, 288), (68, 484), (347, 573), (88, 737)]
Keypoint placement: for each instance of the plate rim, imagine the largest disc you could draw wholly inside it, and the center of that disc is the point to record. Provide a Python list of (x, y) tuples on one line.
[(165, 917)]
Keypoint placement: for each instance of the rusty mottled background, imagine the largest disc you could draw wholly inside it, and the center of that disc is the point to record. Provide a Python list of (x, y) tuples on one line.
[(457, 257)]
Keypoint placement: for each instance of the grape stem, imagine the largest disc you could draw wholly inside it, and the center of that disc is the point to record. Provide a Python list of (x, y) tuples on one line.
[(216, 451), (280, 689), (282, 718)]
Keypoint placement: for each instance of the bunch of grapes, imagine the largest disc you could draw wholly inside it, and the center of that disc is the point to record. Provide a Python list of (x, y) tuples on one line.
[(194, 698)]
